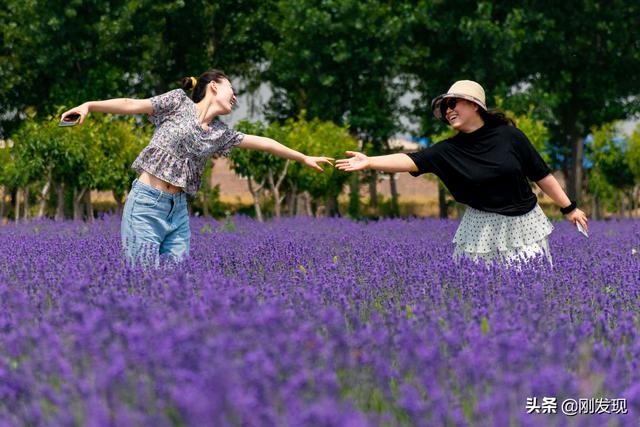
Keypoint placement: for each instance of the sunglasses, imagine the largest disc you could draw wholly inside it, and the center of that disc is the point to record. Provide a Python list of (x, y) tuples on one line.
[(446, 104)]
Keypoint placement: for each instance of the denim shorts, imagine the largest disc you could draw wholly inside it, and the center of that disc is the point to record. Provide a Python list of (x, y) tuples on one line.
[(155, 225)]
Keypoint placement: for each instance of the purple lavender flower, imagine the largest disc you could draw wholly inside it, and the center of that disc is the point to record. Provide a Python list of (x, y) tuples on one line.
[(313, 322)]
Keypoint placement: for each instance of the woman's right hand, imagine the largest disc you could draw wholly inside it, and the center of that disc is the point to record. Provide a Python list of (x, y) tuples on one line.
[(358, 161), (82, 110)]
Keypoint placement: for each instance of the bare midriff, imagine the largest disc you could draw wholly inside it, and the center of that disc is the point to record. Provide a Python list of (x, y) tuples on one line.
[(155, 182)]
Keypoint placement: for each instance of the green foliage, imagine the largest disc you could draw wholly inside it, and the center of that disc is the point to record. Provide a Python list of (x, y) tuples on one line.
[(56, 53), (633, 153), (95, 155), (314, 138), (41, 147), (613, 158), (535, 129), (577, 70), (442, 135), (228, 225), (206, 229), (253, 163), (353, 208), (335, 60), (586, 71), (446, 42), (341, 61), (114, 144), (608, 154), (8, 171), (570, 60), (207, 202)]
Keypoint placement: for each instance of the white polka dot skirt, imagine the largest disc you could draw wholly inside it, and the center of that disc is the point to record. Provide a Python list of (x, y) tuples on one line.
[(490, 236)]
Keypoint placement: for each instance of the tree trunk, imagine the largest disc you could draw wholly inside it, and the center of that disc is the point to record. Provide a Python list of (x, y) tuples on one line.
[(307, 204), (566, 173), (354, 195), (373, 190), (17, 206), (60, 202), (575, 142), (632, 202), (601, 209), (25, 192), (43, 197), (577, 153), (292, 197), (627, 207), (275, 189), (88, 205), (393, 188), (3, 192), (332, 205), (205, 205), (78, 195), (276, 195), (119, 202), (76, 205), (302, 208), (621, 214), (442, 200), (255, 193)]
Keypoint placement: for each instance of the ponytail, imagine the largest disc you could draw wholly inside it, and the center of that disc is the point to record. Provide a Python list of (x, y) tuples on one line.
[(199, 86)]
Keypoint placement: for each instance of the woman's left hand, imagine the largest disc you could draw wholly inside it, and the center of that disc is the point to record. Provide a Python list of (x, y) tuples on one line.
[(82, 110), (577, 215), (314, 162)]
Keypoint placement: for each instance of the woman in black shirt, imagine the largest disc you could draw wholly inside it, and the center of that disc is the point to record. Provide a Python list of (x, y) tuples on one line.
[(485, 166)]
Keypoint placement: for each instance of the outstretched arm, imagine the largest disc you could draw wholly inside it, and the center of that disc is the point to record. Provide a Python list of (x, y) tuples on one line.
[(114, 106), (254, 142), (390, 163), (551, 187)]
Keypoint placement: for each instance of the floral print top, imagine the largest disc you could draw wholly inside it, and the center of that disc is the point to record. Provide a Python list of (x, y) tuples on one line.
[(180, 147)]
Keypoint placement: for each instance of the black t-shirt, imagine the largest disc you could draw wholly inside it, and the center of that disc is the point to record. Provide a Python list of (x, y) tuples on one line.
[(486, 169)]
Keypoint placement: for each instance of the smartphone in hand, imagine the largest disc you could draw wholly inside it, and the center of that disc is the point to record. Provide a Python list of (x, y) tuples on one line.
[(70, 120), (581, 229)]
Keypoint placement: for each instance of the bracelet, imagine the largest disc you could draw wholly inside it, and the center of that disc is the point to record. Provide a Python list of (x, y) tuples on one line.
[(569, 208)]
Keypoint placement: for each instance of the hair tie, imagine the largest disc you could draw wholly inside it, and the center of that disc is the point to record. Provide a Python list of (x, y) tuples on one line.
[(194, 82)]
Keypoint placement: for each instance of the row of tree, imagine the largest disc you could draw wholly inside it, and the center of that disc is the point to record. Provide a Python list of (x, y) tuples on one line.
[(301, 187), (45, 167), (56, 167), (47, 170), (613, 178), (347, 62)]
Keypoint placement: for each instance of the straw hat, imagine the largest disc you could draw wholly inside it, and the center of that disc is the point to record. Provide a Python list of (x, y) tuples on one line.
[(465, 89)]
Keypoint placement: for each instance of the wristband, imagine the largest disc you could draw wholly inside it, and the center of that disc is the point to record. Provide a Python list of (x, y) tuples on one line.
[(569, 208)]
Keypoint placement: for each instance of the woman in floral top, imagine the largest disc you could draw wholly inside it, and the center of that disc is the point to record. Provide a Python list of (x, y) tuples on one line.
[(155, 220)]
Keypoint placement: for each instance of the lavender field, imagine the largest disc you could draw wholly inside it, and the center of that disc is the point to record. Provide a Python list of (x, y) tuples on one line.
[(314, 322)]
